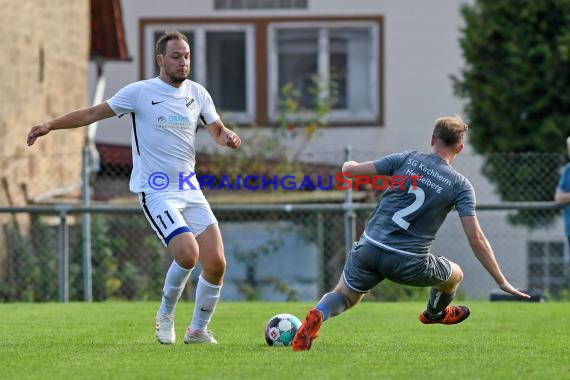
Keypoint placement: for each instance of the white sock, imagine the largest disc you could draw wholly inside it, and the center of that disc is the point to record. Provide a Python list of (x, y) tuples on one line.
[(174, 283), (207, 296)]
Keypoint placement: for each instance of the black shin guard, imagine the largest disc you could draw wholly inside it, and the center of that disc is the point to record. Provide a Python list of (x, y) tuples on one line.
[(438, 301)]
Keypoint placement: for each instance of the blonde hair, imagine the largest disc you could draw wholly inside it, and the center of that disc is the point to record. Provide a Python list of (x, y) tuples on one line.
[(450, 130)]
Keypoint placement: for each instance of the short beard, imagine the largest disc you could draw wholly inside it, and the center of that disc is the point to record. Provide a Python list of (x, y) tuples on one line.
[(176, 79)]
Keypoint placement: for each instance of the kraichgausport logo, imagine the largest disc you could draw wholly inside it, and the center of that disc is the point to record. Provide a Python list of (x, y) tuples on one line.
[(340, 181)]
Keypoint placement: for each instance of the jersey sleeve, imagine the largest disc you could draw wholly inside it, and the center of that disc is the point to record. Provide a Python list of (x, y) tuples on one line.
[(465, 201), (564, 181), (125, 100), (208, 112), (387, 164)]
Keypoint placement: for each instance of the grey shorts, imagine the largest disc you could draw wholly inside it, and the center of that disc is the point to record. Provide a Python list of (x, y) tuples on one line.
[(367, 265)]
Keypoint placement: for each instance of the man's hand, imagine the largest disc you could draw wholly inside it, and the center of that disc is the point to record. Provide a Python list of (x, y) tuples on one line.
[(37, 131), (348, 164), (507, 287), (232, 140)]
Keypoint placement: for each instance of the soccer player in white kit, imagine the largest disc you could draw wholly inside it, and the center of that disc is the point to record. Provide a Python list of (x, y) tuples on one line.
[(165, 112)]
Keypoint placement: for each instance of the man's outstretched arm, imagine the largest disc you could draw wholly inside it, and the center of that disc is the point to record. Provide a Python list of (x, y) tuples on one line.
[(484, 253), (74, 119)]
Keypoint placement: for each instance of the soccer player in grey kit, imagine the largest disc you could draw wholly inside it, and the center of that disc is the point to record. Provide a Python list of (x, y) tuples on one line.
[(396, 242)]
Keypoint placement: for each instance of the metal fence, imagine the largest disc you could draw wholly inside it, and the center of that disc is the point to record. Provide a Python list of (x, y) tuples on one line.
[(279, 245), (274, 252)]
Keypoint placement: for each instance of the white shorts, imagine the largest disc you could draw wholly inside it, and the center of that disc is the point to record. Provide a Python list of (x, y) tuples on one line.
[(174, 212)]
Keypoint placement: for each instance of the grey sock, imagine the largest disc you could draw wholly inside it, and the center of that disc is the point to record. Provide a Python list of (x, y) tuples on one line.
[(332, 304)]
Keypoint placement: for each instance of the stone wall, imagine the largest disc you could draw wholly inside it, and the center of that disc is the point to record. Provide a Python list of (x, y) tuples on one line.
[(45, 53), (43, 74)]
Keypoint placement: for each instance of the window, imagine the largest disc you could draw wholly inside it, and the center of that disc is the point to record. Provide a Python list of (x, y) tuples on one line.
[(344, 55), (546, 267), (245, 62), (221, 59)]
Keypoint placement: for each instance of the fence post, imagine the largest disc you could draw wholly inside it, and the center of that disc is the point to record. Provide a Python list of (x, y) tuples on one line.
[(349, 215), (86, 225), (321, 254), (63, 253), (90, 165)]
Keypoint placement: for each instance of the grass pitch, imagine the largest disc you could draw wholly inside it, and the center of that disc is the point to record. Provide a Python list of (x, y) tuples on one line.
[(115, 340)]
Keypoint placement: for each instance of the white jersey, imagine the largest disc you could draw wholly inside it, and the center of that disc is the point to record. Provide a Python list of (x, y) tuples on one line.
[(164, 119)]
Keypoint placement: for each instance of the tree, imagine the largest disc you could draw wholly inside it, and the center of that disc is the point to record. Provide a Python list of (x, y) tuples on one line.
[(516, 82)]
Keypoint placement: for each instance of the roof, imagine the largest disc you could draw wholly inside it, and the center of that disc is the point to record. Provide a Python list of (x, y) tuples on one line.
[(107, 32)]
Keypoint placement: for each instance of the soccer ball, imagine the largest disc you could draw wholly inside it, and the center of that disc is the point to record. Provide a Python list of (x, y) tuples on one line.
[(280, 329)]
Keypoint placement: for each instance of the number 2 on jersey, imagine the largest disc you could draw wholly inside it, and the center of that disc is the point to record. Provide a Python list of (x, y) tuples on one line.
[(398, 216)]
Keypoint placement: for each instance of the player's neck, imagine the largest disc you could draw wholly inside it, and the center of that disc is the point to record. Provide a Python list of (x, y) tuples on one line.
[(445, 154)]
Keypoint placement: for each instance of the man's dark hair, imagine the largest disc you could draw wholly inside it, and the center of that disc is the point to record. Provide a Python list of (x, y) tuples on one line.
[(167, 36)]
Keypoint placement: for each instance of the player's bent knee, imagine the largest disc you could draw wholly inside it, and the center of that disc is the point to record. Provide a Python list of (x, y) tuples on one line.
[(185, 250), (186, 261), (186, 257), (215, 268), (457, 273), (454, 280)]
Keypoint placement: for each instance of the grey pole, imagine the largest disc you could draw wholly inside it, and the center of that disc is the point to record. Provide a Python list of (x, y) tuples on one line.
[(349, 215), (86, 227), (63, 254), (90, 158)]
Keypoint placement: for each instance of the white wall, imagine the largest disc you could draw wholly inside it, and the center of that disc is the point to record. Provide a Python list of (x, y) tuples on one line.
[(420, 52)]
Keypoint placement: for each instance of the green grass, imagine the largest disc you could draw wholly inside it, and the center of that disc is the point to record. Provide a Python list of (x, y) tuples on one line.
[(115, 340)]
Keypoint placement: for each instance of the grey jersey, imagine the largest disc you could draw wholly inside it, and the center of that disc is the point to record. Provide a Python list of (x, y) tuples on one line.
[(407, 219)]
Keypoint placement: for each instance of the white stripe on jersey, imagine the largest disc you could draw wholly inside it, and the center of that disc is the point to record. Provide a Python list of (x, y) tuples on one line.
[(387, 247)]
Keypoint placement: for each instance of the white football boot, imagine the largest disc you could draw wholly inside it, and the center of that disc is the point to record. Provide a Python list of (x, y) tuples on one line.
[(199, 337), (164, 328)]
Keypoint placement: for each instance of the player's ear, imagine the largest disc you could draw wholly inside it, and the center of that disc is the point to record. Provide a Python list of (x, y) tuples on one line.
[(458, 148), (159, 59), (433, 139)]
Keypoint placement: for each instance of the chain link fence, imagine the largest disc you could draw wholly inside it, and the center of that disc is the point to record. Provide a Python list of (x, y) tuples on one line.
[(280, 245)]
